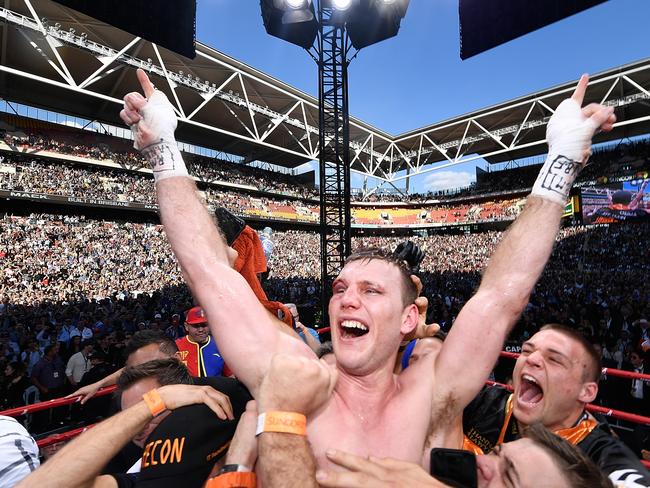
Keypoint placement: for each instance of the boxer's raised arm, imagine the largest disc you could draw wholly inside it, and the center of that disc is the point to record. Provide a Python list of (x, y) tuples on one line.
[(474, 342), (243, 329)]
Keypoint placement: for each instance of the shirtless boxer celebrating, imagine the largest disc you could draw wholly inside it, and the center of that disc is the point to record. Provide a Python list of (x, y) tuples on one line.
[(372, 411)]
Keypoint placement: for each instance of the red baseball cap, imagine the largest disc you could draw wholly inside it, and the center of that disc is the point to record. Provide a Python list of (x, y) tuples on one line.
[(195, 315)]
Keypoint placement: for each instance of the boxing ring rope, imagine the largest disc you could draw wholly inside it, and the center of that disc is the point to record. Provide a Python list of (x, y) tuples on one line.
[(54, 403), (66, 436)]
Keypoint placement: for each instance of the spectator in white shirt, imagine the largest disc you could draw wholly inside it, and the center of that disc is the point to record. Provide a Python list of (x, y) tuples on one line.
[(79, 363)]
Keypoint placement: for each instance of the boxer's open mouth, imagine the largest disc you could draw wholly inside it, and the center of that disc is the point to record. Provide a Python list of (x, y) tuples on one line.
[(352, 329)]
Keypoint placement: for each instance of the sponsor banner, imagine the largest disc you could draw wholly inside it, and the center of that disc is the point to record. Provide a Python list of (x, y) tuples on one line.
[(91, 202)]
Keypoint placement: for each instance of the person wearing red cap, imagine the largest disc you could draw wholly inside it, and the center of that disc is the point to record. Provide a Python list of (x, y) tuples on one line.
[(197, 350)]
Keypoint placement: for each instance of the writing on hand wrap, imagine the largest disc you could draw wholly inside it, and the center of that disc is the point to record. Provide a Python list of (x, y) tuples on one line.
[(559, 175), (161, 156)]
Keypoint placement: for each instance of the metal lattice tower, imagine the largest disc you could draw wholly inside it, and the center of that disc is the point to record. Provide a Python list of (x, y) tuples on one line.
[(334, 156)]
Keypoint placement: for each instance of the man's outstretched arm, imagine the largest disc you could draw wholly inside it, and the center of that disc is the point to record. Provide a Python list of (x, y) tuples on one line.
[(245, 332), (89, 391), (485, 321)]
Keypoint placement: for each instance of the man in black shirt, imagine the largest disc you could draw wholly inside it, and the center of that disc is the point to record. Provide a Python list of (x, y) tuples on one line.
[(554, 379)]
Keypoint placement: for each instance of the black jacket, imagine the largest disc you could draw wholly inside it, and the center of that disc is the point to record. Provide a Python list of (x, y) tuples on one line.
[(484, 417)]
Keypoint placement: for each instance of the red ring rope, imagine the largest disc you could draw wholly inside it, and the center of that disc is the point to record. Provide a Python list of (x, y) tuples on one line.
[(63, 437), (57, 402)]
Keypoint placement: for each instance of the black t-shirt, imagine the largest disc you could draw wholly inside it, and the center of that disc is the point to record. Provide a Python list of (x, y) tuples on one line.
[(484, 417), (184, 447)]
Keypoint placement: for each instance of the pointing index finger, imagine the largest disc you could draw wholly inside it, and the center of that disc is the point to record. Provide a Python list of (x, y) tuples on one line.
[(579, 93), (145, 83)]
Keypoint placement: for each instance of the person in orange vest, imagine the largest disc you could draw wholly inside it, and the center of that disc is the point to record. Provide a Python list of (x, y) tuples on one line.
[(198, 350)]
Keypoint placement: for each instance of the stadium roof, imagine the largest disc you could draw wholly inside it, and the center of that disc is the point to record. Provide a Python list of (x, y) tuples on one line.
[(59, 59)]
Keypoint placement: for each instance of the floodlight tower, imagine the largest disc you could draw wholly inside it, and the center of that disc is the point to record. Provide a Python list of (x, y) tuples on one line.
[(329, 32)]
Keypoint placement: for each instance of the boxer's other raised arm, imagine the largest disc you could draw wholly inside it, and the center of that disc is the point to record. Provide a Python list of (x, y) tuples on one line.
[(485, 321), (242, 327)]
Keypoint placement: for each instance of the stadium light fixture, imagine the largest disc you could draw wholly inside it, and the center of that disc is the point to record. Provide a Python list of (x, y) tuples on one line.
[(296, 4), (291, 20), (373, 21)]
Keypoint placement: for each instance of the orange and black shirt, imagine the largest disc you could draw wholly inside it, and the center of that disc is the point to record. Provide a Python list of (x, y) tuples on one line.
[(488, 422)]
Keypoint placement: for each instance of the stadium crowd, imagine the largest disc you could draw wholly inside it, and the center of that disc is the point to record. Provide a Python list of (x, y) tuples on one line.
[(61, 272), (103, 148), (607, 161)]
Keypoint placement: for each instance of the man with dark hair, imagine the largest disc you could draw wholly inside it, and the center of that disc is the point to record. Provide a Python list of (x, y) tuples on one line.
[(79, 363), (183, 430), (144, 346), (149, 343), (165, 371), (372, 411), (554, 378), (49, 377), (638, 394), (49, 373)]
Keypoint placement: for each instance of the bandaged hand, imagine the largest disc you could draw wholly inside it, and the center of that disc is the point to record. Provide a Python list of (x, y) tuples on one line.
[(569, 134), (153, 122)]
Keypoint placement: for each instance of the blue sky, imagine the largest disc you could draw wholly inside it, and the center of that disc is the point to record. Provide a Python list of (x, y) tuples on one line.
[(417, 78)]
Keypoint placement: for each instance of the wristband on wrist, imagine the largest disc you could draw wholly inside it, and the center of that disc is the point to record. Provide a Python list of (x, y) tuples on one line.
[(154, 402), (283, 422), (233, 479)]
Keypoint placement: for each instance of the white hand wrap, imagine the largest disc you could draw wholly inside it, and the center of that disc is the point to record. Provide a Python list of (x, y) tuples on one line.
[(159, 123), (569, 135)]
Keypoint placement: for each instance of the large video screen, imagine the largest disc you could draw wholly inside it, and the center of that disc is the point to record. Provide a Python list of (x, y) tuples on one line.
[(627, 201)]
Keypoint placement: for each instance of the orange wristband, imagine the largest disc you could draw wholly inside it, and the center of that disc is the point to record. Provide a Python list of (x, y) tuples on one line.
[(285, 422), (154, 402), (233, 480)]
